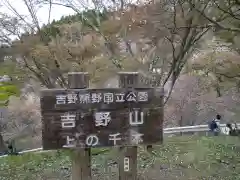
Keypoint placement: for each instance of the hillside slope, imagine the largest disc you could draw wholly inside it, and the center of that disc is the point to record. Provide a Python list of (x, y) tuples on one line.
[(179, 158)]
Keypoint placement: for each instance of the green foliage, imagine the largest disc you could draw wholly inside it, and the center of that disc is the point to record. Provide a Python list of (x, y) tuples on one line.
[(90, 17), (230, 22), (49, 31), (11, 88), (7, 90), (177, 158), (93, 16)]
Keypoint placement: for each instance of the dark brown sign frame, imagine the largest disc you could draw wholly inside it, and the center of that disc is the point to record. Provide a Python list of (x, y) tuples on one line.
[(61, 106)]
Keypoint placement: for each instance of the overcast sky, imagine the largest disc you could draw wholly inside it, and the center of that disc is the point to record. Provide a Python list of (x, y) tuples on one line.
[(57, 11)]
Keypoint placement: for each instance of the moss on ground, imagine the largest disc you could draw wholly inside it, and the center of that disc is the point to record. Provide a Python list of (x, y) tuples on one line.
[(178, 158)]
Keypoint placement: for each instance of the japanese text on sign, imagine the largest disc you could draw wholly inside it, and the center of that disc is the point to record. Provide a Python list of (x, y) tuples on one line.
[(93, 140), (126, 164), (68, 120), (73, 98), (102, 118)]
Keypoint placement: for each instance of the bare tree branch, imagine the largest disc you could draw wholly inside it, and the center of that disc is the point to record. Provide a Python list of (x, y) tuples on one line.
[(49, 12)]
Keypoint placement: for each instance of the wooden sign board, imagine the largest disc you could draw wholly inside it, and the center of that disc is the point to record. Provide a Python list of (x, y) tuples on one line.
[(101, 117)]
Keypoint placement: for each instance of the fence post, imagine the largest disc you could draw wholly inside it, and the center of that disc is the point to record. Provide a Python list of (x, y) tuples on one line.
[(128, 154), (81, 158)]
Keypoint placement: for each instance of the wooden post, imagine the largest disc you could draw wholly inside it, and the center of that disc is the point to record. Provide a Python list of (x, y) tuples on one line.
[(155, 83), (81, 158), (128, 154)]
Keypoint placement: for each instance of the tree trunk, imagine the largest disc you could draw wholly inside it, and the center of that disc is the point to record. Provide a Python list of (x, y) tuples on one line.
[(181, 124), (2, 144), (238, 86), (218, 87)]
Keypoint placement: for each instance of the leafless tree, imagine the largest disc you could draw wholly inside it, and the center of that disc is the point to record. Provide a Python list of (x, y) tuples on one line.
[(133, 37), (164, 34), (224, 15), (184, 105)]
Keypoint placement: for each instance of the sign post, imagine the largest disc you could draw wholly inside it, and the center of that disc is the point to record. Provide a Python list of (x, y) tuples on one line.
[(81, 118), (81, 158), (128, 161)]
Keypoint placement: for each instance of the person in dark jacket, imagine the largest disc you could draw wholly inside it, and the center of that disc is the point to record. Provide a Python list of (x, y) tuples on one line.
[(11, 148), (214, 125)]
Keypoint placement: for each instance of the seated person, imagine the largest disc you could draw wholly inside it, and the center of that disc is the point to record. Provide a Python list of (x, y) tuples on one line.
[(233, 131), (11, 149), (214, 125)]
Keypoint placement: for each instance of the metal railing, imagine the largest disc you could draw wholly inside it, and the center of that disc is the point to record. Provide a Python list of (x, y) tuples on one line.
[(197, 128), (173, 130)]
